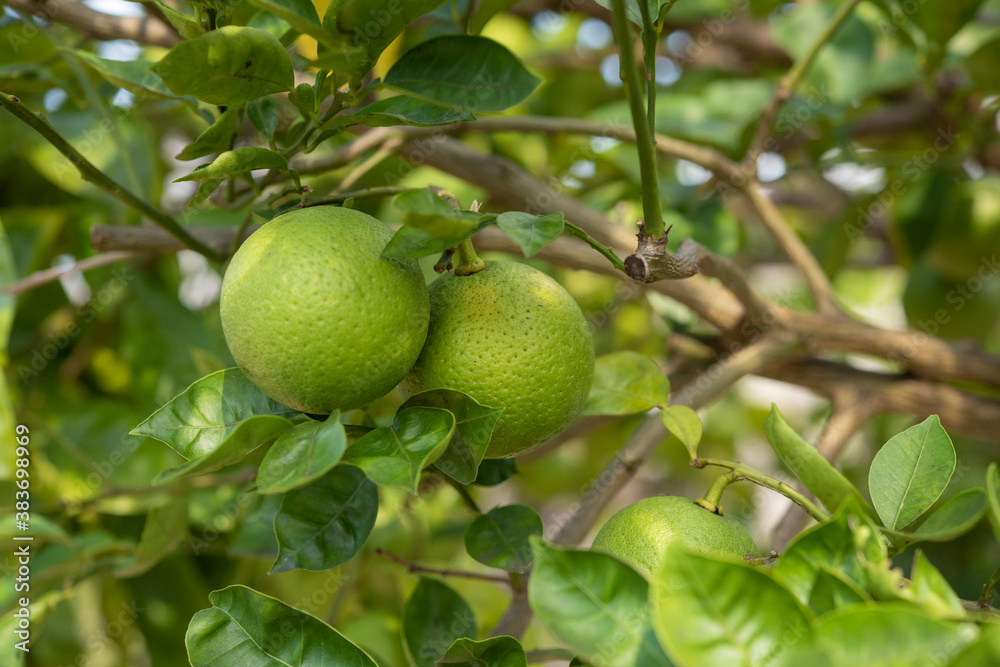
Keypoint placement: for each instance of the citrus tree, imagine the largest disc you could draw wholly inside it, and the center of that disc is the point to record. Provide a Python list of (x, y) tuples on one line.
[(708, 376)]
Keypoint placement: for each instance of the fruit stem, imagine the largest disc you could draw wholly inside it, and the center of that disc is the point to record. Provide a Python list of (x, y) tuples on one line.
[(742, 472), (711, 499), (467, 261)]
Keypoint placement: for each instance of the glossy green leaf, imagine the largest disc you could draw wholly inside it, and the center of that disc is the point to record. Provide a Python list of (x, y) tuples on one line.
[(433, 618), (464, 72), (269, 23), (194, 422), (218, 137), (831, 544), (817, 474), (426, 211), (887, 636), (205, 190), (228, 66), (531, 232), (248, 435), (396, 455), (494, 471), (596, 604), (300, 15), (832, 589), (500, 651), (324, 524), (685, 424), (500, 538), (302, 455), (164, 530), (708, 612), (984, 652), (412, 243), (624, 383), (237, 162), (910, 472), (244, 627), (132, 75), (473, 429), (932, 591), (255, 537), (263, 115), (634, 11), (403, 110), (186, 25), (993, 497), (957, 516)]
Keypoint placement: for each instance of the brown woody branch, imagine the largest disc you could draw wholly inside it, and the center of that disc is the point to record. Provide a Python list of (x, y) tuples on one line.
[(76, 15)]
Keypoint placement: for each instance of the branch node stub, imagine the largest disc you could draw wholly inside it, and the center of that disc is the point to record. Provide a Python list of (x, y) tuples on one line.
[(651, 261)]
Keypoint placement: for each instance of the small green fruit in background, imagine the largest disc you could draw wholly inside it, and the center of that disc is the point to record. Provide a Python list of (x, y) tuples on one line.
[(641, 533), (315, 317), (510, 337)]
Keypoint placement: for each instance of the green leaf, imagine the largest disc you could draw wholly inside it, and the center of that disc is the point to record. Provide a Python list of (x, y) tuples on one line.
[(395, 456), (993, 497), (412, 243), (831, 544), (302, 455), (271, 24), (237, 162), (301, 15), (531, 232), (433, 618), (494, 471), (217, 138), (817, 474), (248, 435), (955, 517), (983, 65), (910, 472), (625, 383), (244, 627), (324, 524), (633, 9), (473, 429), (941, 20), (493, 652), (932, 591), (403, 110), (485, 10), (464, 72), (500, 538), (255, 536), (426, 211), (595, 604), (205, 191), (132, 75), (164, 530), (228, 66), (833, 589), (186, 25), (263, 115), (708, 612), (197, 420), (684, 423), (985, 652), (887, 636)]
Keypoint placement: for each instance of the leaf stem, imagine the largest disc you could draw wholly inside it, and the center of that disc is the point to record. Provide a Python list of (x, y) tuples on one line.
[(415, 568), (629, 72), (984, 598), (94, 175), (743, 472), (610, 254), (648, 35)]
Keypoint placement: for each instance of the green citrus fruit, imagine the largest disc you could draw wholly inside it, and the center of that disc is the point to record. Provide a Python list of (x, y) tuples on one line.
[(510, 337), (316, 317), (641, 533)]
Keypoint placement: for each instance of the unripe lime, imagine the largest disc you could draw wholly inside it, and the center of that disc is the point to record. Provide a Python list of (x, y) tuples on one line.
[(510, 337), (316, 317), (641, 533)]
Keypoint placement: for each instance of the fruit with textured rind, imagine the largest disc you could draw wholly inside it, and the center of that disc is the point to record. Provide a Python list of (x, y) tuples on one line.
[(316, 317), (510, 337), (641, 533)]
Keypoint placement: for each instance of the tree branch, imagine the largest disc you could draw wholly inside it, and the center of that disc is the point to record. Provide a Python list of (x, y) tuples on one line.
[(39, 278), (76, 15), (415, 568)]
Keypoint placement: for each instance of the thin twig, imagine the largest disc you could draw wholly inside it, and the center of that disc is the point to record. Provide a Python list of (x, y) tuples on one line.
[(744, 472), (791, 80), (610, 254), (141, 29), (46, 276), (94, 175), (629, 72), (358, 195), (415, 568)]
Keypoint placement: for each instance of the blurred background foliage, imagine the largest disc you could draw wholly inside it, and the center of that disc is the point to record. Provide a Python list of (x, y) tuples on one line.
[(887, 161)]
